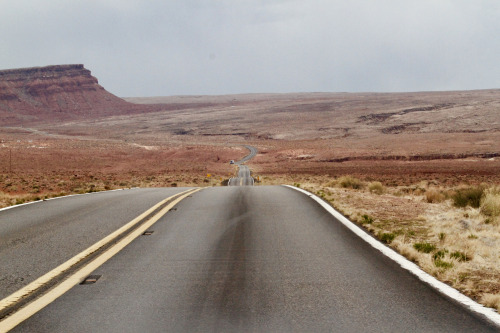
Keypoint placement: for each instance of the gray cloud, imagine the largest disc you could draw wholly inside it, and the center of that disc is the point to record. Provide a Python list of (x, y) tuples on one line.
[(147, 48)]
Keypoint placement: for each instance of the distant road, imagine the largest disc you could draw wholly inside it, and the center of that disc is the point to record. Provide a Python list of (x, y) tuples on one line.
[(244, 178), (244, 175), (231, 259)]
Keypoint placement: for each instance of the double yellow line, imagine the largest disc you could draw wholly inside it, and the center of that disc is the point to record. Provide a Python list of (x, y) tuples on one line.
[(17, 316)]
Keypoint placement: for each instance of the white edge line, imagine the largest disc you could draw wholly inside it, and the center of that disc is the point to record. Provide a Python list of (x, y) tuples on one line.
[(442, 287), (63, 196)]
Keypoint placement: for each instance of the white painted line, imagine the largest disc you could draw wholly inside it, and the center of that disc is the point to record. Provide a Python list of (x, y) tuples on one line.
[(406, 264), (63, 196)]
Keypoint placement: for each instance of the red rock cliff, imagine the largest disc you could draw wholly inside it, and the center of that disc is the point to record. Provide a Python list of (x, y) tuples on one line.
[(61, 92)]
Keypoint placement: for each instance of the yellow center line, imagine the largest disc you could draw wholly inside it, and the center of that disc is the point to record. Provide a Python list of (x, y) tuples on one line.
[(30, 309)]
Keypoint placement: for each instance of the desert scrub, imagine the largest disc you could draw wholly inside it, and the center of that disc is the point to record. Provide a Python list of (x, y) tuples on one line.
[(442, 264), (350, 182), (433, 195), (424, 247), (376, 187), (460, 256), (386, 237), (366, 219), (440, 254), (490, 205), (491, 300), (470, 196)]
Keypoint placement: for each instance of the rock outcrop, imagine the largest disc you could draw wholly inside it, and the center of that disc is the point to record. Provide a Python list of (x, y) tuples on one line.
[(52, 93)]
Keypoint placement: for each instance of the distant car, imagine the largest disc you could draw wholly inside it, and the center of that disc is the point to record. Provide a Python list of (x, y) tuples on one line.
[(231, 162)]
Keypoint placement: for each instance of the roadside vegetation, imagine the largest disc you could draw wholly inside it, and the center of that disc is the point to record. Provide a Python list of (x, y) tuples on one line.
[(16, 190), (451, 232)]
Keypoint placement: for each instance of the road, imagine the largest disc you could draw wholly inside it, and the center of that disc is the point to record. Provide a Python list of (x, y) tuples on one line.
[(259, 258), (244, 177), (38, 237)]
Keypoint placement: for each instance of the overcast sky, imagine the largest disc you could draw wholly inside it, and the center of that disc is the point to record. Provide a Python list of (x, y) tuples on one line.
[(186, 47)]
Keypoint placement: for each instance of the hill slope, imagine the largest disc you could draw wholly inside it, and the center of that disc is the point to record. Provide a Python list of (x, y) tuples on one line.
[(54, 93)]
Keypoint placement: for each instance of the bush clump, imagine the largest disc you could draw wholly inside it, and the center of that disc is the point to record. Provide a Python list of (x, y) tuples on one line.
[(387, 237), (424, 247), (366, 219), (350, 182), (443, 264), (460, 256), (376, 187), (490, 205), (470, 196), (433, 195)]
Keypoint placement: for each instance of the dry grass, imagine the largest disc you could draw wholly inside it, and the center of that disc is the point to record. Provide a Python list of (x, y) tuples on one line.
[(490, 205), (434, 195), (376, 187), (491, 300)]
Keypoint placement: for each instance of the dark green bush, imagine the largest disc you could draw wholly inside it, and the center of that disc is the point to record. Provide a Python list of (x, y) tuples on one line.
[(366, 219), (387, 237), (460, 256), (424, 247), (468, 197)]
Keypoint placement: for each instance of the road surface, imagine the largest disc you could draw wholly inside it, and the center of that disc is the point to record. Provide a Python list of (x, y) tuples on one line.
[(244, 177), (38, 237), (238, 259)]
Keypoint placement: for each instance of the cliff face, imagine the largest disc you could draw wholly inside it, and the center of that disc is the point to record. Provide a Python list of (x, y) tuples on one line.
[(61, 92)]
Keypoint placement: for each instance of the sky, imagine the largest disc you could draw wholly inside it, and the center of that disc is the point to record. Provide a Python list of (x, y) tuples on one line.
[(213, 47)]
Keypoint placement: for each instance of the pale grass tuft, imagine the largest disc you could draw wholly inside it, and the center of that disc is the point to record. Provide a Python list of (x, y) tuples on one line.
[(350, 182), (376, 187), (491, 300), (433, 195), (490, 205), (406, 249)]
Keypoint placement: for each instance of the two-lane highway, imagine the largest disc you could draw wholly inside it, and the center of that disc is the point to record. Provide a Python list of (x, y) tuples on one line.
[(244, 177), (262, 259)]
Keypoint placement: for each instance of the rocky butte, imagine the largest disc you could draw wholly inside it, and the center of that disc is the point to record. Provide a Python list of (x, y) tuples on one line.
[(55, 93)]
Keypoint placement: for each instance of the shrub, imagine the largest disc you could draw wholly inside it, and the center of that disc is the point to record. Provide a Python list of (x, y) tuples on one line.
[(470, 196), (387, 237), (439, 254), (350, 182), (490, 205), (424, 247), (366, 219), (460, 256), (433, 195), (376, 187), (442, 264)]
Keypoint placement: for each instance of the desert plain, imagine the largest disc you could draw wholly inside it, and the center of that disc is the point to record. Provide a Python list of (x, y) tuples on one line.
[(397, 164)]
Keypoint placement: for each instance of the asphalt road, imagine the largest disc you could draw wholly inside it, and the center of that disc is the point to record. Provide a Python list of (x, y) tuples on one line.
[(261, 259), (38, 237), (244, 177)]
